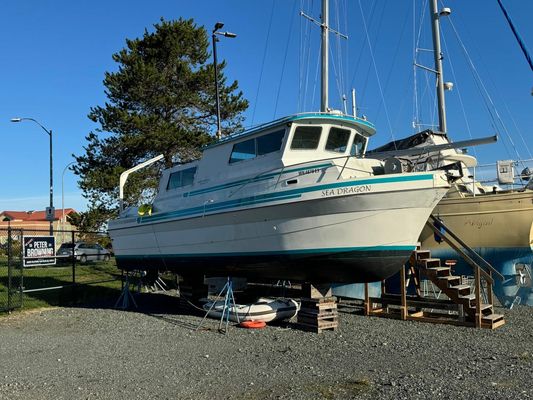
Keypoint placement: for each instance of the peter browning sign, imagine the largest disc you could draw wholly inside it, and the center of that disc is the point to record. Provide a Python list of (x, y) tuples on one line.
[(39, 250)]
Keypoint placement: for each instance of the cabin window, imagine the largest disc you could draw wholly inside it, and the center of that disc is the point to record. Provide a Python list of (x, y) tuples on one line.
[(358, 145), (181, 178), (270, 143), (257, 147), (306, 138), (338, 140), (243, 151)]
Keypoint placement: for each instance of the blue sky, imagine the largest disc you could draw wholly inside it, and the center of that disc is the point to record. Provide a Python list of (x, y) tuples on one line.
[(55, 53)]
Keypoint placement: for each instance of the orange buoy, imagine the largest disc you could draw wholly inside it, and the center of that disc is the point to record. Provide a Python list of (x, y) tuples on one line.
[(253, 324)]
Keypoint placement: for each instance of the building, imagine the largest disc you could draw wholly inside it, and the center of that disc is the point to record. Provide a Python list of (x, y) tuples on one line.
[(36, 220)]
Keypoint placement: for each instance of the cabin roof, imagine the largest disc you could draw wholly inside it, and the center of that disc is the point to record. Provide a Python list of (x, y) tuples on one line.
[(358, 122)]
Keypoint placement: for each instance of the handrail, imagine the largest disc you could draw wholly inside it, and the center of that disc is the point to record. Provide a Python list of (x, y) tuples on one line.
[(465, 256), (465, 246)]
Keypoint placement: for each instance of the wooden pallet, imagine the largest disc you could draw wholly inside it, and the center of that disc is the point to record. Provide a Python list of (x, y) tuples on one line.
[(319, 327), (318, 314)]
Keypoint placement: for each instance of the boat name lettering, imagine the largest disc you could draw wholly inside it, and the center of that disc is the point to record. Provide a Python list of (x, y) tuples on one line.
[(479, 224), (346, 190), (310, 171)]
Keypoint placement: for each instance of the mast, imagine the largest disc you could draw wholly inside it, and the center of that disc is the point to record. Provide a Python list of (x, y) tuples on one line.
[(435, 25), (324, 26), (325, 53)]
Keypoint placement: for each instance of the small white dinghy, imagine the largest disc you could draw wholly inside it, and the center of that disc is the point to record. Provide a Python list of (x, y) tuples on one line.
[(264, 309)]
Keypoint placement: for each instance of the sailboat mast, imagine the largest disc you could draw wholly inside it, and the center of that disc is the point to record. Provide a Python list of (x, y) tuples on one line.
[(325, 54), (435, 25)]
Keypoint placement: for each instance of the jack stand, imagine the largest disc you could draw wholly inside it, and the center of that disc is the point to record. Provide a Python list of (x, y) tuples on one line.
[(125, 296), (229, 301)]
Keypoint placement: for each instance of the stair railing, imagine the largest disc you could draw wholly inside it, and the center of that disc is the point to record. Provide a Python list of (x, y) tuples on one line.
[(472, 258)]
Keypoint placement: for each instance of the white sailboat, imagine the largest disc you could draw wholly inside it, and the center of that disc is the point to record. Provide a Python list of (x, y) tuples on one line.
[(292, 199), (498, 224)]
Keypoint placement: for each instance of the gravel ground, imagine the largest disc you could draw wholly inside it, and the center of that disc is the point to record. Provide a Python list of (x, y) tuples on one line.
[(154, 353)]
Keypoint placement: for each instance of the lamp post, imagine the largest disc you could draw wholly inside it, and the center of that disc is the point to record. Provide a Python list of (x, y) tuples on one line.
[(63, 198), (216, 32), (50, 214)]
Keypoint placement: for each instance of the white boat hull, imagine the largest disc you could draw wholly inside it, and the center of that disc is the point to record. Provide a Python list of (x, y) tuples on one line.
[(331, 235)]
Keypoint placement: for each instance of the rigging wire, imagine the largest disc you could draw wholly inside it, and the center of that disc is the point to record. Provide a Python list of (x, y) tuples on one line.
[(338, 69), (264, 58), (315, 85), (516, 35), (363, 45), (457, 87), (306, 52), (380, 21), (394, 57), (415, 52), (491, 108), (347, 47), (293, 14), (376, 71), (417, 120), (504, 127), (526, 147)]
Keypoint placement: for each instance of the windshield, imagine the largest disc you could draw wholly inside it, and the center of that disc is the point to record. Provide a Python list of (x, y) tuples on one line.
[(67, 246)]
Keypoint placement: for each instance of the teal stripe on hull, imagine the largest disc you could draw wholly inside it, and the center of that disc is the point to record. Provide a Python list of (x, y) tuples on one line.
[(277, 196), (283, 252)]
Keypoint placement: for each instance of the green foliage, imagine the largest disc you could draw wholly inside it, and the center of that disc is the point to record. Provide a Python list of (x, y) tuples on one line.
[(161, 100), (92, 220)]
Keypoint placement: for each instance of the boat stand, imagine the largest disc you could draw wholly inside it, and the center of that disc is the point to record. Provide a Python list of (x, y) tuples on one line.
[(229, 301), (123, 302)]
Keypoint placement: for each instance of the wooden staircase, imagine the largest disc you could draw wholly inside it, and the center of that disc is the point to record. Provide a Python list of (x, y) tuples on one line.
[(481, 314), (464, 304)]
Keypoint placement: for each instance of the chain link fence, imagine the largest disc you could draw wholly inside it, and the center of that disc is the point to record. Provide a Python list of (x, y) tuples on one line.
[(33, 263), (11, 277)]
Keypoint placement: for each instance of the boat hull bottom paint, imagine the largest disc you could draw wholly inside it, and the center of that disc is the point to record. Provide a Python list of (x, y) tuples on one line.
[(347, 266)]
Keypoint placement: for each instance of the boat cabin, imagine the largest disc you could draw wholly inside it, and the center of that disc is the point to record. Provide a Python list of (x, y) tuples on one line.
[(289, 141)]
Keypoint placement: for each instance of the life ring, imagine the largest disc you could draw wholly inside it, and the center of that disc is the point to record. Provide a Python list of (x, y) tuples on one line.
[(253, 324)]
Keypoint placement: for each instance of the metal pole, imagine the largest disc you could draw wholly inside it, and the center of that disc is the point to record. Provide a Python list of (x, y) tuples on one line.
[(354, 107), (73, 258), (63, 200), (438, 64), (219, 132), (49, 133), (325, 54), (51, 187), (9, 267)]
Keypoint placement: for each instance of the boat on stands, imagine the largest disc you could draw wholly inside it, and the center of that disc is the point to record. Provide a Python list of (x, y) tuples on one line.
[(294, 199)]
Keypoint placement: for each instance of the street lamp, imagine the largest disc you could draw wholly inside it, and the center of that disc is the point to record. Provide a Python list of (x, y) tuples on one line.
[(63, 198), (50, 212), (216, 32)]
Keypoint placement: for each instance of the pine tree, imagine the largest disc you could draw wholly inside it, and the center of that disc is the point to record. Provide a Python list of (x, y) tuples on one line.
[(161, 100)]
